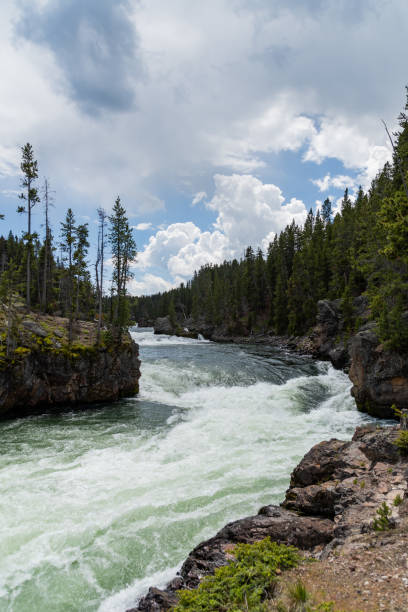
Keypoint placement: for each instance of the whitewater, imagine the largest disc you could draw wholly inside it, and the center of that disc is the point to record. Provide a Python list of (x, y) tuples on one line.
[(97, 505)]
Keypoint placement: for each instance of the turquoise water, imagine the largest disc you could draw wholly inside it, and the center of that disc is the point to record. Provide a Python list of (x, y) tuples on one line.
[(97, 505)]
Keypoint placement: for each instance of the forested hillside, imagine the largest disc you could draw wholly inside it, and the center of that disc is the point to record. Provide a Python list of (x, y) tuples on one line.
[(50, 272), (363, 249)]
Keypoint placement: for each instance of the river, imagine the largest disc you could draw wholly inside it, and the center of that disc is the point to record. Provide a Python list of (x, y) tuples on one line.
[(96, 505)]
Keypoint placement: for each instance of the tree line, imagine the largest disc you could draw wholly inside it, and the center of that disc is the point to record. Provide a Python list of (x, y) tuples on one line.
[(51, 274), (362, 250)]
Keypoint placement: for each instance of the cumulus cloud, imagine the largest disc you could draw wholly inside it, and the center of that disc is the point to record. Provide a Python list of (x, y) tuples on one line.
[(208, 96), (249, 212), (208, 248), (278, 128), (342, 140), (167, 242), (149, 283)]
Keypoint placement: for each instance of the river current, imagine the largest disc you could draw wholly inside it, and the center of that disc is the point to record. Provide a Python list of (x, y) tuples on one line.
[(97, 505)]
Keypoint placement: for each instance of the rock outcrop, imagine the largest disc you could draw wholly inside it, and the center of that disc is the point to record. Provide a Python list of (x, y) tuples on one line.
[(45, 372), (332, 499), (379, 377)]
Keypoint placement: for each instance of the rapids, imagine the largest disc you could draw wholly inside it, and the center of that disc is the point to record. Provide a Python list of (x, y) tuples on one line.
[(97, 505)]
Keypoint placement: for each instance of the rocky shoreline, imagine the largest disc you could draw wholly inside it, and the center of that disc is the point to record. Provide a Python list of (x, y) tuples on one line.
[(328, 513), (379, 376)]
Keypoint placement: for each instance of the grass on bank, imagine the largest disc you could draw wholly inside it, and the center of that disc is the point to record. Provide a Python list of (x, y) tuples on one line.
[(249, 584)]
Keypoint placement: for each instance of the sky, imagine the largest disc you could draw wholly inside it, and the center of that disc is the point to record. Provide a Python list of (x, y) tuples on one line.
[(216, 122)]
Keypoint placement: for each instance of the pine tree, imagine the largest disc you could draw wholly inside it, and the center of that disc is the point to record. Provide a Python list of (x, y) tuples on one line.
[(29, 168), (124, 253), (68, 239)]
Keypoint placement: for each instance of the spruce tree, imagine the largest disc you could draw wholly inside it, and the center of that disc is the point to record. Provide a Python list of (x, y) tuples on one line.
[(68, 239), (29, 168), (124, 253)]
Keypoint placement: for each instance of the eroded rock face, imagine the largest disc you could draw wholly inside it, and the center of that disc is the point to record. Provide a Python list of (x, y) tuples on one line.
[(363, 473), (51, 378), (379, 377)]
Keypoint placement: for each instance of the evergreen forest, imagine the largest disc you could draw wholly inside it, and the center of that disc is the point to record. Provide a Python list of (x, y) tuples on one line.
[(363, 249)]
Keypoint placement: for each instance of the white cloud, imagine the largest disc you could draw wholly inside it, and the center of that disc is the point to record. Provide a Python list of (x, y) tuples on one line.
[(142, 226), (166, 243), (278, 128), (149, 283), (249, 212), (209, 248), (340, 181), (9, 162), (10, 193), (340, 139), (199, 197), (224, 84)]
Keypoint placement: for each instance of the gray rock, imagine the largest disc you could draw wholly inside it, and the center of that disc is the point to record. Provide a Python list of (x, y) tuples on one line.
[(162, 325), (51, 378), (379, 377), (34, 328)]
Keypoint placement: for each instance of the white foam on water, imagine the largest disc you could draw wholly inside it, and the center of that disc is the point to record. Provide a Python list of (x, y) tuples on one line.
[(125, 599), (94, 510), (146, 337)]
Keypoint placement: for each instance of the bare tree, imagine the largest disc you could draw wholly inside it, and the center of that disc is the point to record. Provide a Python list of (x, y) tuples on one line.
[(102, 215), (48, 201)]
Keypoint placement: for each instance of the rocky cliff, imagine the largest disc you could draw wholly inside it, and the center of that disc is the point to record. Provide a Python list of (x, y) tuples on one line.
[(379, 376), (328, 511), (43, 371)]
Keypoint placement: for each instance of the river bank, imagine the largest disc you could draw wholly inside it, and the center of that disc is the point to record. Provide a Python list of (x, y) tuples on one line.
[(40, 370), (97, 505), (328, 512), (379, 375)]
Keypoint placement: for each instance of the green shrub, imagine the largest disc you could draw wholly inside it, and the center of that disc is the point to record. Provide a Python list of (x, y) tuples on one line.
[(21, 351), (402, 442), (397, 500), (242, 584), (382, 521)]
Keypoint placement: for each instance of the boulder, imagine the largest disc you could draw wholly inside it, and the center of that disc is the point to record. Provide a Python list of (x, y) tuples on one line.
[(34, 328), (162, 325)]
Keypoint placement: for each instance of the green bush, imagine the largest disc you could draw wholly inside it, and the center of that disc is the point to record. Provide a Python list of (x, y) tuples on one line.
[(397, 500), (402, 442), (244, 583), (382, 521)]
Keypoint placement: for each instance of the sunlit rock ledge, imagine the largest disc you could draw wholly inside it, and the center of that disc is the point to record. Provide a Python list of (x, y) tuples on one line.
[(42, 371)]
